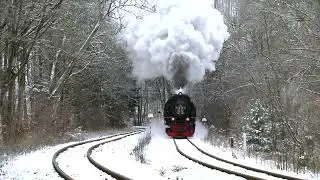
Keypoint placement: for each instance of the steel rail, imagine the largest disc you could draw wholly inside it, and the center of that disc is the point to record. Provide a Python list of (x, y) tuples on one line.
[(57, 153), (103, 168), (244, 166), (216, 167)]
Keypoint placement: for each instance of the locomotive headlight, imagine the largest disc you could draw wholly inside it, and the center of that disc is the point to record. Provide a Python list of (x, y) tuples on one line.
[(172, 119), (187, 119)]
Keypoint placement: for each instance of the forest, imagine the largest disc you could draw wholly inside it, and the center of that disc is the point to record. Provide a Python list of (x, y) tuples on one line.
[(62, 69)]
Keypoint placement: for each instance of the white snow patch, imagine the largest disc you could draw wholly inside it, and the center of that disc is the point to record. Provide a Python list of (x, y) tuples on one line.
[(35, 165)]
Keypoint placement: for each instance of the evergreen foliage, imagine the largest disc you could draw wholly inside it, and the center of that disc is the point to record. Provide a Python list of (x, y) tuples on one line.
[(258, 127)]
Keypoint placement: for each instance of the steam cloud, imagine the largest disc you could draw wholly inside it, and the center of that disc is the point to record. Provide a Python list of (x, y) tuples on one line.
[(180, 42)]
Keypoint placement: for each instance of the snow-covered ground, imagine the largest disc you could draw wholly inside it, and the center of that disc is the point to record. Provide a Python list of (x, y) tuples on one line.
[(34, 165), (149, 155), (161, 160)]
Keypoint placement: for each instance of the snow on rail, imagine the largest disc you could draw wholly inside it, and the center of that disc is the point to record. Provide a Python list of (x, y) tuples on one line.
[(103, 168), (71, 170), (279, 175), (211, 163)]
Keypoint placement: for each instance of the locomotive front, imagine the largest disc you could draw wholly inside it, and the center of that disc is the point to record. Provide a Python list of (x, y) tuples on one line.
[(179, 116)]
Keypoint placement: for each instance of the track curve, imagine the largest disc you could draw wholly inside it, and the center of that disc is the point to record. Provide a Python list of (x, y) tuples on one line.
[(244, 166), (103, 168), (247, 175), (62, 173), (215, 167)]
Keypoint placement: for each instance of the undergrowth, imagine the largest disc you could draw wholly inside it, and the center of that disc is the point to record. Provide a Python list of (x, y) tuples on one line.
[(139, 149)]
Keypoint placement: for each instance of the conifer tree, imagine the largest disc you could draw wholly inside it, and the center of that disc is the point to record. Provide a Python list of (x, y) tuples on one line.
[(258, 127)]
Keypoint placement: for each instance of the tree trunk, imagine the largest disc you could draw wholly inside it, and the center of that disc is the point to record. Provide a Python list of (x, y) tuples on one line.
[(28, 89), (21, 100), (164, 92), (8, 121)]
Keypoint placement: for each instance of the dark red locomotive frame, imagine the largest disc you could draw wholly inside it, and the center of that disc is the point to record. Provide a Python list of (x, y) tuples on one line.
[(181, 127)]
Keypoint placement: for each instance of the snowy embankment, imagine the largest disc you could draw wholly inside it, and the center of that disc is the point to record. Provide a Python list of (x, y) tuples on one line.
[(38, 164), (34, 165), (149, 155)]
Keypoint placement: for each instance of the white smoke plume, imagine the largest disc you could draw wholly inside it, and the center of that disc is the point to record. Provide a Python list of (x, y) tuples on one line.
[(180, 41)]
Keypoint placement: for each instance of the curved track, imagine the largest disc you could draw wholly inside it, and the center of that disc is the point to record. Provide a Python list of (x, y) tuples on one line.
[(103, 168), (64, 175), (237, 173), (244, 166)]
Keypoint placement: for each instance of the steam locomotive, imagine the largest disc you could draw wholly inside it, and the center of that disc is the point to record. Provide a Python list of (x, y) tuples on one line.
[(179, 116)]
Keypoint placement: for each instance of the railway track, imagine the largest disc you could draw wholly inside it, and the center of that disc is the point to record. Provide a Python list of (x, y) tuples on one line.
[(105, 140), (103, 168), (246, 172)]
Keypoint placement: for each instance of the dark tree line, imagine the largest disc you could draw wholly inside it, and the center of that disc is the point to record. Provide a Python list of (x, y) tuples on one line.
[(61, 66)]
